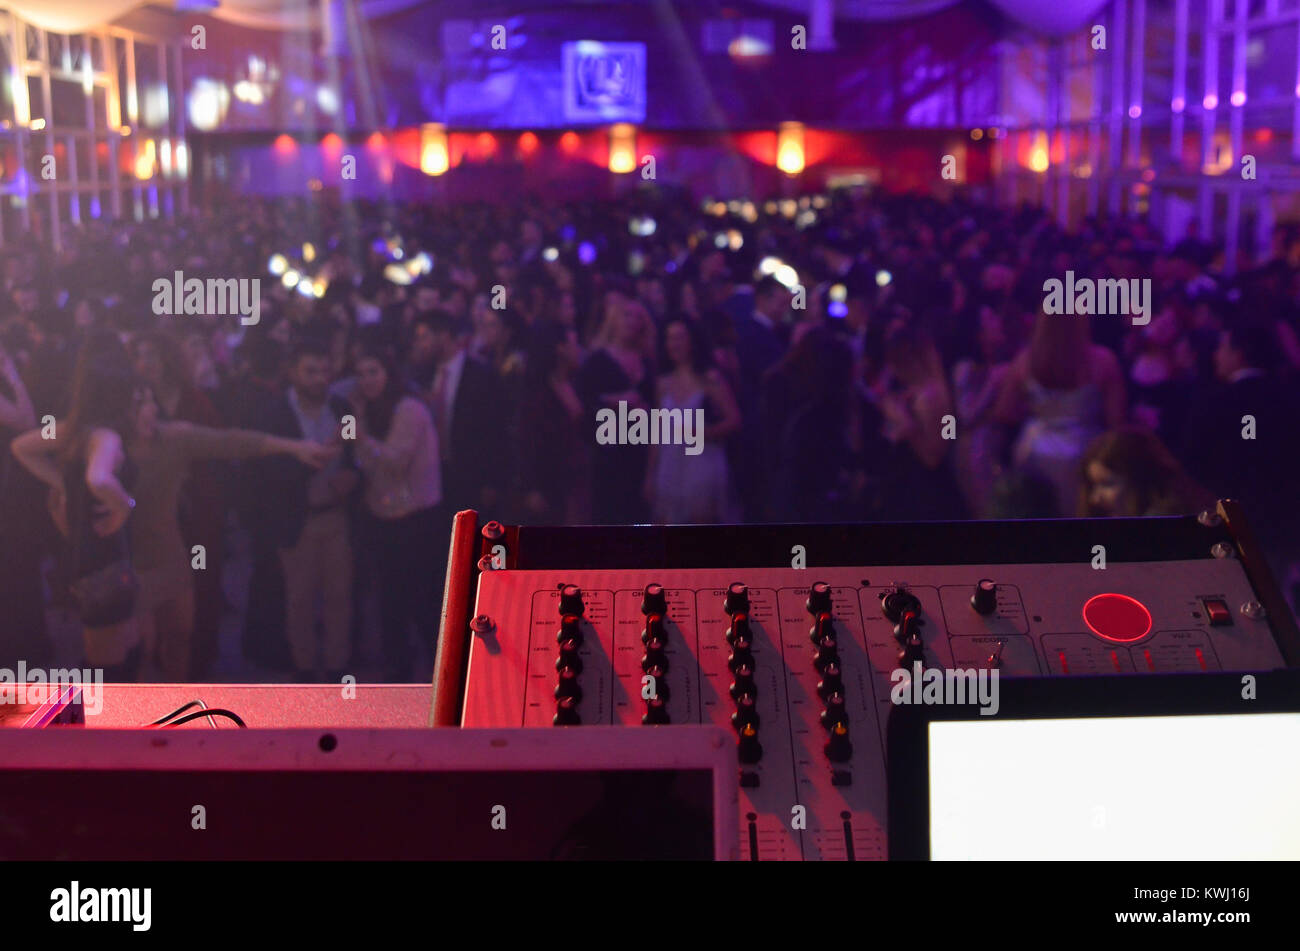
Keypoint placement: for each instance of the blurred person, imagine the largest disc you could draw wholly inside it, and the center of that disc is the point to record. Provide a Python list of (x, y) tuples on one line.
[(161, 362), (1239, 440), (90, 479), (311, 520), (161, 454), (807, 397), (470, 411), (982, 441), (618, 370), (915, 403), (1129, 472), (22, 548), (554, 448), (691, 488), (498, 336), (1063, 391), (760, 342), (398, 453)]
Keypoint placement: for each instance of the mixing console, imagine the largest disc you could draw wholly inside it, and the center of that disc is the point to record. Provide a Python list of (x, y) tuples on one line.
[(803, 664)]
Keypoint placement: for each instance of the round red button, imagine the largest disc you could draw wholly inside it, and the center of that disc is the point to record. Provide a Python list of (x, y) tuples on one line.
[(1117, 617)]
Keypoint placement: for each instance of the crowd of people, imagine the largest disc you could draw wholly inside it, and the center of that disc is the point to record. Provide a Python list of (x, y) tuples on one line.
[(854, 357)]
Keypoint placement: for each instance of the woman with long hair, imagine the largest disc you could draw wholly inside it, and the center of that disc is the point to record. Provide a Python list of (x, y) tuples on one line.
[(914, 399), (693, 487), (84, 463), (1128, 472), (618, 370), (113, 446), (1065, 390), (397, 451)]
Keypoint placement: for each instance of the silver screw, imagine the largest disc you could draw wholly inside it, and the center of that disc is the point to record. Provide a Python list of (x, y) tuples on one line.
[(1210, 518), (1253, 610), (1221, 550)]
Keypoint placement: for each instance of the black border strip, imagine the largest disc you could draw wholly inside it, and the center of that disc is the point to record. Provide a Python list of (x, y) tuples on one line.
[(886, 543)]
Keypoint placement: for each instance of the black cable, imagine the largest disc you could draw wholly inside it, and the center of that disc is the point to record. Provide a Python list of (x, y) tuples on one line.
[(214, 712), (177, 712)]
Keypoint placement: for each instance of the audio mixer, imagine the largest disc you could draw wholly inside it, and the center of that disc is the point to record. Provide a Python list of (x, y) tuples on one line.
[(802, 656)]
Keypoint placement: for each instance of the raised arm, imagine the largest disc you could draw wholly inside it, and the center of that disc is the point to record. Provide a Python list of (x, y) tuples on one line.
[(204, 442), (37, 456), (104, 456)]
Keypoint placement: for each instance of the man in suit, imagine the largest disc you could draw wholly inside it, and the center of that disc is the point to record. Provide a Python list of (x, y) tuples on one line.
[(308, 520), (1241, 433), (469, 414), (761, 337)]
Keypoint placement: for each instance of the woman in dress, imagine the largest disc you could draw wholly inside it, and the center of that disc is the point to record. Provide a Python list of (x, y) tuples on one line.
[(114, 445), (692, 483), (1066, 391), (617, 370)]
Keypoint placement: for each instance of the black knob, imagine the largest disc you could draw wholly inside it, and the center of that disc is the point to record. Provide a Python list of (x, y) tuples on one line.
[(898, 601), (737, 598), (838, 749), (908, 625), (913, 650), (739, 633), (834, 712), (568, 687), (744, 686), (566, 712), (985, 598), (748, 749), (825, 657), (571, 600), (741, 660), (568, 661), (819, 598), (823, 625), (746, 714), (654, 662), (831, 681), (656, 711), (654, 634), (653, 600), (570, 629)]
